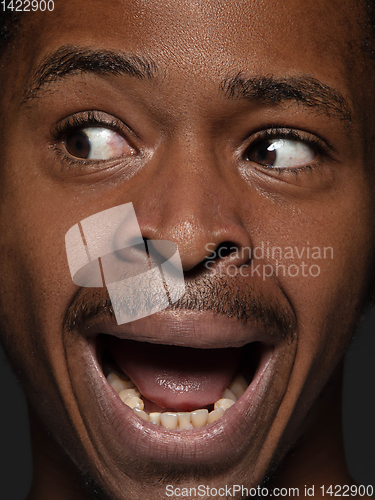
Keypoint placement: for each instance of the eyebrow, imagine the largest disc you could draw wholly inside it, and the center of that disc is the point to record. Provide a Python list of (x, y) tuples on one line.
[(304, 89), (69, 60)]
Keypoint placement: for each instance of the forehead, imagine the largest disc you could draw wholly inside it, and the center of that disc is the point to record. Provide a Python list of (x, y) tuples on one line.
[(203, 38)]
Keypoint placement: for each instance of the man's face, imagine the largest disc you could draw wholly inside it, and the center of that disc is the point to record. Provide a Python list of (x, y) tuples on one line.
[(234, 125)]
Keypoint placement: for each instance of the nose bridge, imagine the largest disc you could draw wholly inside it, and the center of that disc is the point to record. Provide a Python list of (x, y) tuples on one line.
[(189, 201), (194, 180)]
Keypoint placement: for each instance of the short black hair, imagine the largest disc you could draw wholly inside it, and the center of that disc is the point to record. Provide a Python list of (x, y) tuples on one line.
[(9, 24)]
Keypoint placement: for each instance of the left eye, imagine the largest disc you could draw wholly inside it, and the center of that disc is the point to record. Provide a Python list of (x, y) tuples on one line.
[(95, 143), (280, 153)]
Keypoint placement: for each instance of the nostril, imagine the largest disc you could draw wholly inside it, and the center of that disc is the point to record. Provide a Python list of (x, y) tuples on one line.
[(225, 249)]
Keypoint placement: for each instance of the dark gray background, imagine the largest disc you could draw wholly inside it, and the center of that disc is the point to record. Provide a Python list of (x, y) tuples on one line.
[(359, 418)]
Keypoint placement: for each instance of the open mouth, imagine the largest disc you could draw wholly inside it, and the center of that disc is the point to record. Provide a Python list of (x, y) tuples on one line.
[(179, 388)]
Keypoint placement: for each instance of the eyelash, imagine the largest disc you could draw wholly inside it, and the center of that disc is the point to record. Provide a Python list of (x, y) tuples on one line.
[(84, 120), (274, 132)]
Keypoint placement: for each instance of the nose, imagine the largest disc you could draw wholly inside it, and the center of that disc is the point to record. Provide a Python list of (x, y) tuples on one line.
[(191, 199)]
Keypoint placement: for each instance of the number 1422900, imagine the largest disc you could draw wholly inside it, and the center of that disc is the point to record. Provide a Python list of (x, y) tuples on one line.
[(27, 5)]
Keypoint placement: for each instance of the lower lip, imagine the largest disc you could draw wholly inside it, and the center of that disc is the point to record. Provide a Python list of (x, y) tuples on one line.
[(227, 436)]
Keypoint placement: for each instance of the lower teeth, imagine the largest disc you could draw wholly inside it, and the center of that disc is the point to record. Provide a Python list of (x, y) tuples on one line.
[(131, 396)]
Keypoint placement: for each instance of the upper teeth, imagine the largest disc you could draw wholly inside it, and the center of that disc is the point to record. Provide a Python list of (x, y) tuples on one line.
[(131, 396)]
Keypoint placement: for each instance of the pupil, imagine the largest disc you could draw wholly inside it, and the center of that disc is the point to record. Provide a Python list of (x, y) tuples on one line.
[(78, 145), (263, 153)]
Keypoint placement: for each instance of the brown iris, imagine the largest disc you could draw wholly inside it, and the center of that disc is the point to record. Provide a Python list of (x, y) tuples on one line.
[(262, 154), (78, 145)]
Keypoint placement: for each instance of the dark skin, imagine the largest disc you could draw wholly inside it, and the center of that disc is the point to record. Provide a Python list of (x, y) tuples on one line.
[(188, 164)]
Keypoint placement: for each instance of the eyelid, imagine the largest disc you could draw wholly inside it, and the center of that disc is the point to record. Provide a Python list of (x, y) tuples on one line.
[(91, 119), (275, 132), (320, 146)]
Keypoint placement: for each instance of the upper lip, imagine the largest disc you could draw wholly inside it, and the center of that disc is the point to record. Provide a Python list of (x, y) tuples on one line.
[(206, 317), (202, 330)]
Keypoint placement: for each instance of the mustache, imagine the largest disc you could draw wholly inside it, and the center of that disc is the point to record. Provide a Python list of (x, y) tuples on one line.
[(217, 294)]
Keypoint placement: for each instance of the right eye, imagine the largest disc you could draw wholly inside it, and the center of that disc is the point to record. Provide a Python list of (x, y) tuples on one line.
[(281, 153), (96, 143)]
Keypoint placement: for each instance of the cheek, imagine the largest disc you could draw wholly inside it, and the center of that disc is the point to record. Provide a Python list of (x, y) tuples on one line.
[(324, 250), (35, 285), (320, 252), (35, 290)]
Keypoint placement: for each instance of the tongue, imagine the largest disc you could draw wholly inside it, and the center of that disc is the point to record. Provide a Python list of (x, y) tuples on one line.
[(176, 378)]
